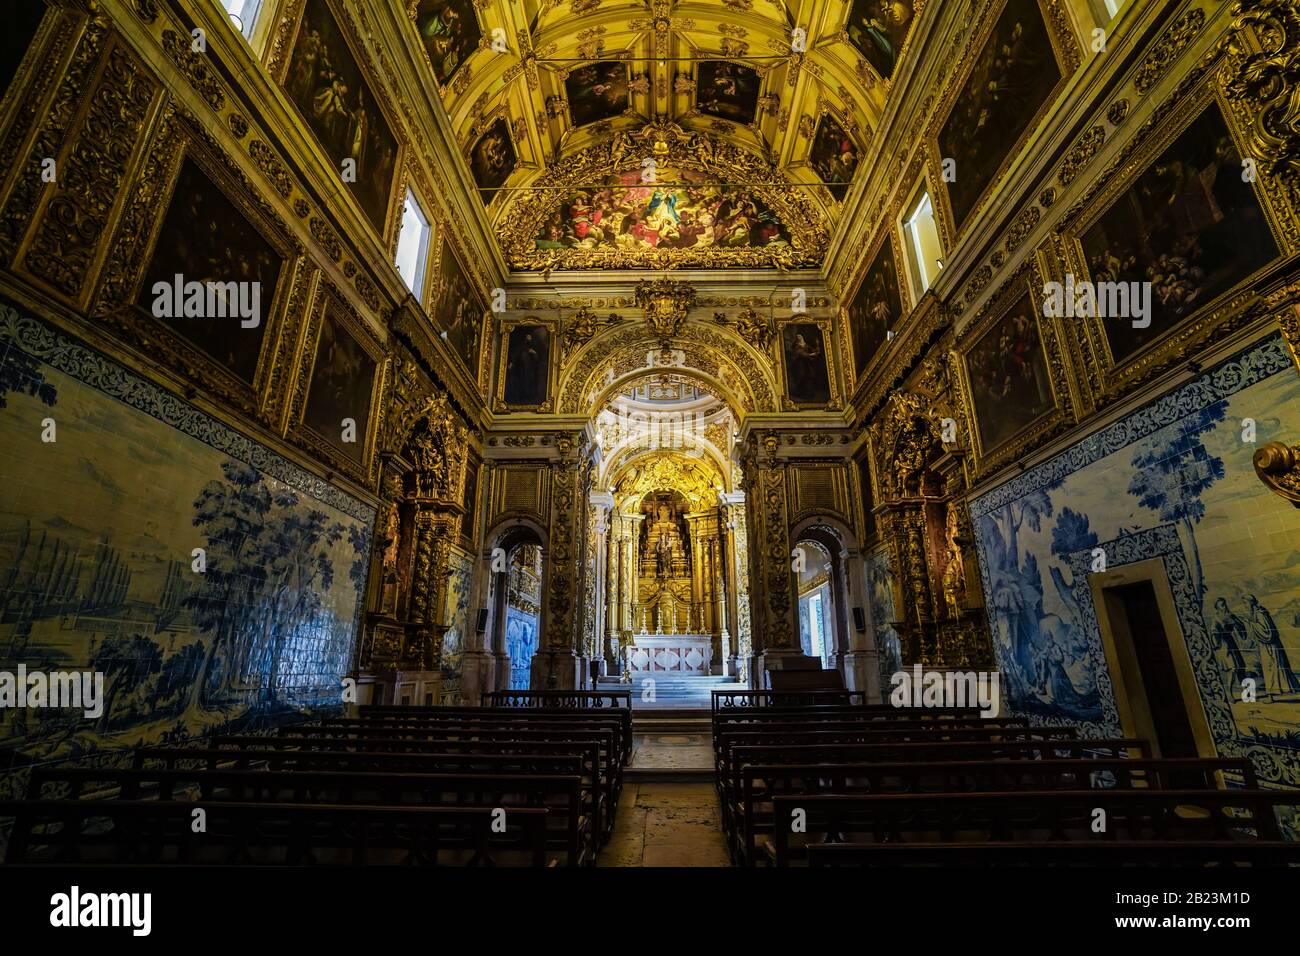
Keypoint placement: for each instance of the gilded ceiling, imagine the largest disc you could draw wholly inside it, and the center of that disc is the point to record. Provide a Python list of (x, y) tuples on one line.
[(654, 133)]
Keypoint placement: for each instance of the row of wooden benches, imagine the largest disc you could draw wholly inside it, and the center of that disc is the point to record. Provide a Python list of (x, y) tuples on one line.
[(849, 785), (449, 786)]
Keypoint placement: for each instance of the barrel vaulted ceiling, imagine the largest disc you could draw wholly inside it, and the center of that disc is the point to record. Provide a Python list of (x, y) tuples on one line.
[(663, 133)]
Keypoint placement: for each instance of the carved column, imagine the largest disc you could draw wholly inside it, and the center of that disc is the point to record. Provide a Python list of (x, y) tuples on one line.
[(775, 626), (598, 536), (559, 664), (733, 504)]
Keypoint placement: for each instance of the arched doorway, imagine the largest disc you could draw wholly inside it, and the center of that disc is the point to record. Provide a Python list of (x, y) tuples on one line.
[(831, 593), (816, 601), (515, 588)]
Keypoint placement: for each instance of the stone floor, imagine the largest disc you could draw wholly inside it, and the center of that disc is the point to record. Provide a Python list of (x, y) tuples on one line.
[(666, 824), (672, 752)]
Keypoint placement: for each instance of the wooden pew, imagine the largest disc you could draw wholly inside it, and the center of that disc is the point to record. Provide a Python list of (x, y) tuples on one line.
[(389, 717), (572, 830), (839, 721), (919, 751), (722, 700), (154, 832), (862, 734), (477, 757), (1048, 816), (1113, 853), (616, 699), (749, 815), (454, 738)]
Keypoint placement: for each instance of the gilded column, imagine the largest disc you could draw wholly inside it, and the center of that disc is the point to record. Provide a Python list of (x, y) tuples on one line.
[(559, 665)]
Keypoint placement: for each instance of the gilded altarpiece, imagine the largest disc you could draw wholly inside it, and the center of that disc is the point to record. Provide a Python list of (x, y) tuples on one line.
[(919, 481)]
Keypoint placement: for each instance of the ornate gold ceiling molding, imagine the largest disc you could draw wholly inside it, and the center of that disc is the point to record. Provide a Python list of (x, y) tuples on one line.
[(697, 479), (675, 148), (711, 354)]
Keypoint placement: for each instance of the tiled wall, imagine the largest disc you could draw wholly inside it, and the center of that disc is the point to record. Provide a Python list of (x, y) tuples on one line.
[(1174, 480), (98, 529)]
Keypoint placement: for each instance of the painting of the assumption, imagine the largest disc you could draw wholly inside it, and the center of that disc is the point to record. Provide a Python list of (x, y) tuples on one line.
[(1012, 77), (1189, 224), (492, 160), (459, 310), (205, 238), (728, 90), (876, 308), (596, 91), (1008, 376), (528, 359), (98, 538), (342, 382), (327, 86), (450, 32), (22, 20), (878, 29), (630, 214), (833, 156), (807, 378), (1169, 482)]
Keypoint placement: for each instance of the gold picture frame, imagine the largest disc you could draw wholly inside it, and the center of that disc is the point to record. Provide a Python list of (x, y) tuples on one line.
[(1067, 54), (1109, 377), (331, 305), (279, 59), (826, 326), (447, 247), (886, 234), (552, 325), (132, 248), (988, 458)]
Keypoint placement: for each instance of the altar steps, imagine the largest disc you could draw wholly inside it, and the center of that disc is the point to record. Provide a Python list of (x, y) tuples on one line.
[(671, 692)]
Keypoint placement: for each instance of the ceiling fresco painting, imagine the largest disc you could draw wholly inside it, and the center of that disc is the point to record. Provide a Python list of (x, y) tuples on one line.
[(742, 130), (728, 90), (450, 32), (597, 91)]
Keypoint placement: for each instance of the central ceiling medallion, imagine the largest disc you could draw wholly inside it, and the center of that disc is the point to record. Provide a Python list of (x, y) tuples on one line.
[(665, 304)]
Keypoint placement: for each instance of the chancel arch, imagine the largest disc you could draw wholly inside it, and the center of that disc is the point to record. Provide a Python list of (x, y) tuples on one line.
[(718, 358)]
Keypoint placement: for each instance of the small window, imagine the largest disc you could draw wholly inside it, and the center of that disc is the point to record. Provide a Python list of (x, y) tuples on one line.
[(1106, 10), (924, 254), (243, 13), (413, 245)]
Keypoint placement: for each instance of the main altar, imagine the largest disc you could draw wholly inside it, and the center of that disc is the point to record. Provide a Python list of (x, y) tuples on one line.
[(674, 619)]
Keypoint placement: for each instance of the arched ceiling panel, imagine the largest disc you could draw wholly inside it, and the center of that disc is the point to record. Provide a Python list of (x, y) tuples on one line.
[(558, 106)]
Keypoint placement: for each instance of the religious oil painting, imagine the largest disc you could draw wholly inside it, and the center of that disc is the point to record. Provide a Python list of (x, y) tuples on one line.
[(22, 20), (450, 33), (876, 309), (492, 159), (727, 90), (97, 546), (682, 211), (833, 156), (597, 91), (204, 238), (1012, 78), (878, 29), (327, 86), (528, 360), (459, 310), (1190, 225), (1009, 382), (342, 384), (1170, 482), (806, 374)]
